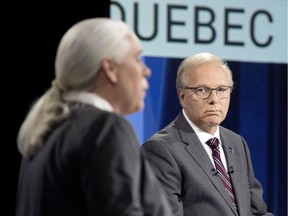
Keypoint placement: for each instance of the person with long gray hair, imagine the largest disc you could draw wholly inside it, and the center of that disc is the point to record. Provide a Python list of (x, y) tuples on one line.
[(80, 156)]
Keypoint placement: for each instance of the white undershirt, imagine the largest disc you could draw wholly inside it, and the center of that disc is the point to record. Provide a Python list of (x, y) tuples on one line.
[(204, 137)]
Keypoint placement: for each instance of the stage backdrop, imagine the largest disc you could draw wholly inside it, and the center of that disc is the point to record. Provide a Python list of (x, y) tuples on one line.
[(251, 35)]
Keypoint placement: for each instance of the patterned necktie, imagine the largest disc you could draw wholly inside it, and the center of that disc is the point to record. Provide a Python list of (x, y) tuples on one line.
[(221, 172)]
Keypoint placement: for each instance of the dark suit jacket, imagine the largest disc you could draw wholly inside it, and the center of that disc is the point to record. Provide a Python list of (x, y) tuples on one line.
[(186, 173), (91, 164)]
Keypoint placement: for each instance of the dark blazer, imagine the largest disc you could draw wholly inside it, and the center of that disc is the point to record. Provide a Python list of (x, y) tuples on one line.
[(91, 164), (186, 173)]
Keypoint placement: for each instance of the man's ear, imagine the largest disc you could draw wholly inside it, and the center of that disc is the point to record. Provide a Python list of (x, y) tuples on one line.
[(181, 96), (110, 68)]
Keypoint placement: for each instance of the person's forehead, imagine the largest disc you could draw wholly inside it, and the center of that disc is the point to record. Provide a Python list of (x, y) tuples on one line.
[(205, 69), (207, 73), (135, 45)]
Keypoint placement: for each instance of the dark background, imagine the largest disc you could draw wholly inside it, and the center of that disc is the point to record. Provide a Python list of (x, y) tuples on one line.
[(30, 34)]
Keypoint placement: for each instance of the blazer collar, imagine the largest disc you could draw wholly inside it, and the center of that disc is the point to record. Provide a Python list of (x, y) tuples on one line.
[(196, 150)]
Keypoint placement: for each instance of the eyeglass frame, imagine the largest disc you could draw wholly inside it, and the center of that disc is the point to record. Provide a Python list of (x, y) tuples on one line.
[(194, 89)]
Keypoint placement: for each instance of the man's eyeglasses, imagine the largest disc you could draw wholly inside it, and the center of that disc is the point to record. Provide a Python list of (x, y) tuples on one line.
[(205, 92)]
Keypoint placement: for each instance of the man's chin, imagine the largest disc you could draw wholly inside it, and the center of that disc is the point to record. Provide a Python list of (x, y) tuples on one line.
[(213, 121)]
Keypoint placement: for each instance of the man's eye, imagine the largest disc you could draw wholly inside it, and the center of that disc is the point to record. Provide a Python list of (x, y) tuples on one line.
[(221, 89), (201, 90)]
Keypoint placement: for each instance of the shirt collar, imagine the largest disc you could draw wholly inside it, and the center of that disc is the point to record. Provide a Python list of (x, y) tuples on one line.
[(89, 98), (202, 135)]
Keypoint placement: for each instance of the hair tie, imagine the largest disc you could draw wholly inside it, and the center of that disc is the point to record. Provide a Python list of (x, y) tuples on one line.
[(58, 87)]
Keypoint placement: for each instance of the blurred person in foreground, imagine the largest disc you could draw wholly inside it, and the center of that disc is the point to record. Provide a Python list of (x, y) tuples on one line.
[(199, 179), (80, 156)]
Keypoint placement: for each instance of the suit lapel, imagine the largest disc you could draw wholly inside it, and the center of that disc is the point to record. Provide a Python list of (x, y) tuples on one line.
[(198, 153), (231, 151)]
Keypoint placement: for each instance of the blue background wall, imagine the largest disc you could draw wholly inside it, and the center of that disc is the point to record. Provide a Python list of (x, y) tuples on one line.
[(258, 111)]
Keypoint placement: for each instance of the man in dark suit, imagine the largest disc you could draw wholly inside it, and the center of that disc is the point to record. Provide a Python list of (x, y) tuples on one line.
[(205, 168)]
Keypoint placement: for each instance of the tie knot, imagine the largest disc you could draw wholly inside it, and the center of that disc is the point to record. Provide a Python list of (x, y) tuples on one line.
[(213, 143)]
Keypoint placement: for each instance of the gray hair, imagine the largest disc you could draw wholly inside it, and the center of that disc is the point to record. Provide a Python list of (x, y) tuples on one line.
[(196, 60), (77, 63)]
